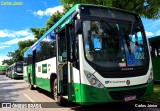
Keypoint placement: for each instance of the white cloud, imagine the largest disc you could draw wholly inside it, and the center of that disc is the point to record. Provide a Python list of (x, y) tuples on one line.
[(2, 58), (2, 47), (4, 33), (48, 11), (13, 33), (148, 34), (16, 40), (158, 32)]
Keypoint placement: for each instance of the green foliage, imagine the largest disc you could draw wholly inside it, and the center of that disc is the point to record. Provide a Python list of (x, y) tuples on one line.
[(25, 43), (155, 97), (7, 62), (156, 69), (18, 54), (146, 8), (15, 57), (53, 19), (38, 32), (24, 50)]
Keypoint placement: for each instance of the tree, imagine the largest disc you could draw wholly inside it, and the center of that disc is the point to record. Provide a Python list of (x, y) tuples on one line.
[(53, 19), (25, 43), (17, 55), (56, 16), (38, 32), (7, 62), (146, 8)]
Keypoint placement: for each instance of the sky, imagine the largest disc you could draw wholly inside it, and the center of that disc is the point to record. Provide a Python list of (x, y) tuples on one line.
[(18, 16)]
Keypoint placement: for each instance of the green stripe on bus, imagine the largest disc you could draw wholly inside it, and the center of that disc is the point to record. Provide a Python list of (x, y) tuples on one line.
[(87, 95)]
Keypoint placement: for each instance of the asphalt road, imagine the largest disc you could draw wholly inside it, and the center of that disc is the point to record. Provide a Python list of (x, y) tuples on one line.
[(18, 92)]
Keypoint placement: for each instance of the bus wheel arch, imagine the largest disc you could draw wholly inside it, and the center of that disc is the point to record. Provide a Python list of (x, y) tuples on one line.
[(29, 82), (53, 76), (58, 97)]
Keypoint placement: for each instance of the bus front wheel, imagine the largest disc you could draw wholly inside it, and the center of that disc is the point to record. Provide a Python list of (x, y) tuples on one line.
[(31, 86), (58, 98)]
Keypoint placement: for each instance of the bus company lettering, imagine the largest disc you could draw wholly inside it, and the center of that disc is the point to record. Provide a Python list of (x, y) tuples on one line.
[(118, 81), (107, 82)]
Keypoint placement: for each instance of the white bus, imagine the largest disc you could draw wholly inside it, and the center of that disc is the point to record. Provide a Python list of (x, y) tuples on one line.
[(15, 70)]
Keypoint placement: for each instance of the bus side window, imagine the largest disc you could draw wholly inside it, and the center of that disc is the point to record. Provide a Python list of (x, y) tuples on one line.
[(62, 47)]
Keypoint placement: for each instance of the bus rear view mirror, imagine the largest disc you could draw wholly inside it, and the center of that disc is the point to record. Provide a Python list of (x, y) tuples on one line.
[(77, 26)]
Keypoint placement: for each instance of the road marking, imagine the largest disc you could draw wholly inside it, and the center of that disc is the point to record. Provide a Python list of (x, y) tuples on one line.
[(29, 97)]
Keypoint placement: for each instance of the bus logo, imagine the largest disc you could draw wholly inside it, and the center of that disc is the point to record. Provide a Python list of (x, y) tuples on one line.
[(128, 82), (106, 82), (44, 68)]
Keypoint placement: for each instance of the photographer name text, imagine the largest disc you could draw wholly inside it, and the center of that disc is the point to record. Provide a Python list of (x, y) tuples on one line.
[(11, 3), (146, 105)]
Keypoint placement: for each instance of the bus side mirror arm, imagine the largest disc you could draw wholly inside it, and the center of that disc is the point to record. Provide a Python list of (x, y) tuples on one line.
[(70, 43)]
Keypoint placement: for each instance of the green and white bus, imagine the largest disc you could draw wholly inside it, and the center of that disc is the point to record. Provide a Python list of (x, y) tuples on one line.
[(15, 70), (92, 55)]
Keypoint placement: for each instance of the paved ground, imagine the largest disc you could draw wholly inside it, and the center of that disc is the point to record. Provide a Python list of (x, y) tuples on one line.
[(18, 91)]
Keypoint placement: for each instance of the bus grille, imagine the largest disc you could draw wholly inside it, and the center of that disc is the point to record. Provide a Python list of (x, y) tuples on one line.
[(119, 95)]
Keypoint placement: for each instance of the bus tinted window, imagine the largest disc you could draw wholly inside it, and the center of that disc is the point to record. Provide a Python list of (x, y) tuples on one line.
[(107, 12), (46, 48)]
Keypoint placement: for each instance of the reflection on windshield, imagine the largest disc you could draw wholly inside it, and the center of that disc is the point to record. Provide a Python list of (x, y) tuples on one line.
[(113, 44), (19, 68)]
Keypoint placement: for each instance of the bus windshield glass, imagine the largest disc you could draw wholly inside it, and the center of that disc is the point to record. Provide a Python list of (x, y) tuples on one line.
[(19, 68), (114, 43)]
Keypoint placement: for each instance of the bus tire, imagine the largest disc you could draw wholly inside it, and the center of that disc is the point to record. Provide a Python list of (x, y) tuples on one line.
[(31, 86), (58, 98)]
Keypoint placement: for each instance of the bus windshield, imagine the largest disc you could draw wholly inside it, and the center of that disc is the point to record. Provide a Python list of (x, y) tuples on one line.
[(113, 43), (19, 68)]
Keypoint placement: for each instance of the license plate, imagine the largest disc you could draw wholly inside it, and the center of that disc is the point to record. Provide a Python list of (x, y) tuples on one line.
[(128, 98)]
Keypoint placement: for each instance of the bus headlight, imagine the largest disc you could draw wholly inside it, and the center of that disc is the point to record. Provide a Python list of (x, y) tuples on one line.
[(93, 80), (150, 78)]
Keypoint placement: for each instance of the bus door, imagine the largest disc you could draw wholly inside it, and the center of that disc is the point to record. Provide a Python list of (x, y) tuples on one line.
[(72, 58), (62, 68), (65, 67)]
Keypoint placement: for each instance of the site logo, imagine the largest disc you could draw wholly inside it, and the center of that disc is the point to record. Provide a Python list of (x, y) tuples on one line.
[(11, 3)]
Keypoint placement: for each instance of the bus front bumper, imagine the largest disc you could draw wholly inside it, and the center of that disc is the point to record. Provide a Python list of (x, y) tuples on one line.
[(92, 95)]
